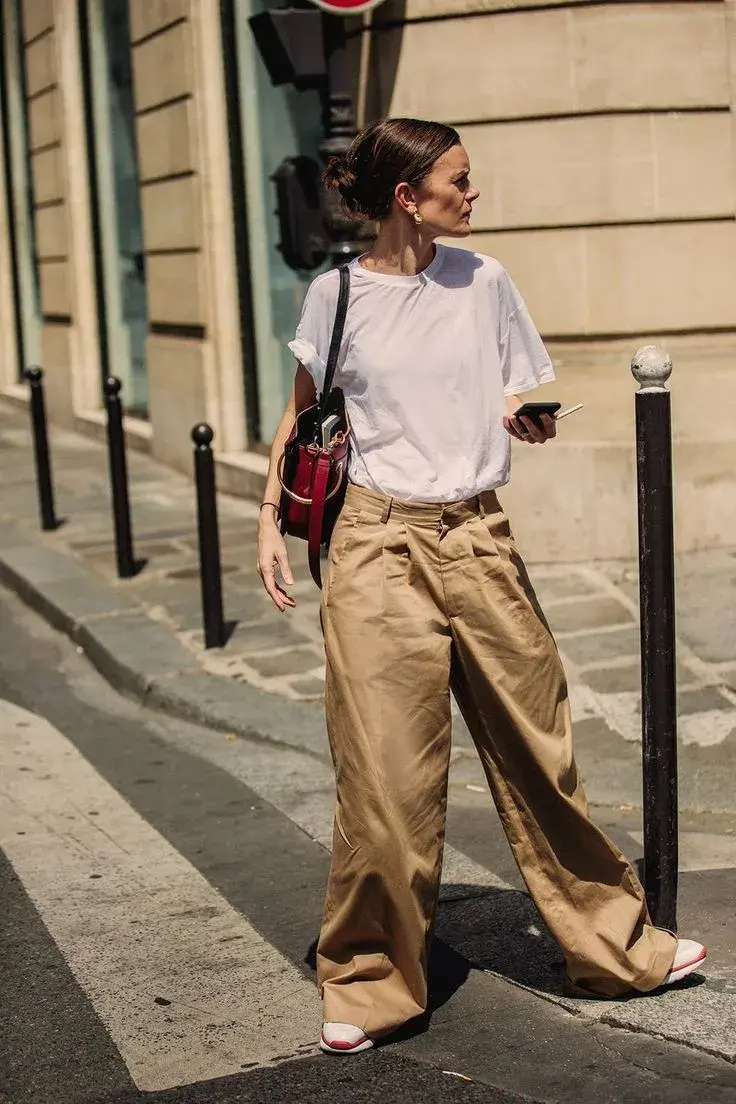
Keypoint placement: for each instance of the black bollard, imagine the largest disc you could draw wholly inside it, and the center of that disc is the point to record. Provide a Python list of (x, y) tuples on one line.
[(41, 450), (119, 479), (652, 367), (209, 537)]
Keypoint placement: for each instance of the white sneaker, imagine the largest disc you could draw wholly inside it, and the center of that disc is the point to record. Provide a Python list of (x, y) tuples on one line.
[(688, 955), (342, 1038)]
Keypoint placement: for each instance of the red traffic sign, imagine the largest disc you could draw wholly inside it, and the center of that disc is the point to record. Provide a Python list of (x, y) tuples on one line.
[(347, 7)]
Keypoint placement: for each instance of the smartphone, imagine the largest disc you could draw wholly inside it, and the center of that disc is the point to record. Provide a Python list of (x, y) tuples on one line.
[(535, 410), (328, 426)]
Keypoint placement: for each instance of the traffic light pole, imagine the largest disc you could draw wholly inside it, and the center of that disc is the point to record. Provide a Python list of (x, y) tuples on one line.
[(345, 237), (312, 49)]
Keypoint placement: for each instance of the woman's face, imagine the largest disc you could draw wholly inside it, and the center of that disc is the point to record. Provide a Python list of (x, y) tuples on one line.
[(446, 196)]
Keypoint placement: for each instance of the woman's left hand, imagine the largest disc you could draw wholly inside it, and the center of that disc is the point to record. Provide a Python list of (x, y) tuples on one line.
[(524, 429)]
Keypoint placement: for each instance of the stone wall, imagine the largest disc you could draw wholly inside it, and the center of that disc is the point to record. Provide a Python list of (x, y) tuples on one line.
[(601, 137)]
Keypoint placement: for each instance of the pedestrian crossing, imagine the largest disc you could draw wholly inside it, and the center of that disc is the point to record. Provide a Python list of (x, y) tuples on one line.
[(188, 986)]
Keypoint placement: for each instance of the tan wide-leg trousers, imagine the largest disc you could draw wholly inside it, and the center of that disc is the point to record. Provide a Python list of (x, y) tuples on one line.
[(419, 598)]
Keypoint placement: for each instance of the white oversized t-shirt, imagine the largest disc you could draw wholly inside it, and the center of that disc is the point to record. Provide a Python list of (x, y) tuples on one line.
[(425, 363)]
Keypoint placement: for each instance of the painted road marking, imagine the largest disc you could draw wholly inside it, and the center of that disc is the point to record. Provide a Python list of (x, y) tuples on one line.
[(187, 989)]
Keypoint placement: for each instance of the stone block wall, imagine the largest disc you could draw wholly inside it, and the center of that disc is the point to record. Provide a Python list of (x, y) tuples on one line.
[(601, 137)]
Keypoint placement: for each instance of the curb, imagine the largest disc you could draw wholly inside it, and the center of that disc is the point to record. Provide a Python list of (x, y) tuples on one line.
[(179, 688)]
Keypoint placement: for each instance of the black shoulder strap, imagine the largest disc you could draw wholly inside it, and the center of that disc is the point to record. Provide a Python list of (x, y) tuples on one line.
[(337, 332)]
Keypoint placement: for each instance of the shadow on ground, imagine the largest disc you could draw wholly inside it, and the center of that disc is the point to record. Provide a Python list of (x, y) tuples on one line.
[(500, 930)]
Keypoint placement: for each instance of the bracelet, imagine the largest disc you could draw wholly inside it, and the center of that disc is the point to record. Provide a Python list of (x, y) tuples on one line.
[(275, 505)]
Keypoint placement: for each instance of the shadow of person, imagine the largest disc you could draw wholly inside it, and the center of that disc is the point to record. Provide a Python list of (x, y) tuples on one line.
[(495, 930), (484, 928)]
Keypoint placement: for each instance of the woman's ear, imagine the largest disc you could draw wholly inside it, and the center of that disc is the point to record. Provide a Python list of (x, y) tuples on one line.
[(406, 198)]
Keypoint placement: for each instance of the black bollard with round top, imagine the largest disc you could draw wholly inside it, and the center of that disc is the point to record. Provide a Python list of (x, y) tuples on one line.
[(209, 537), (119, 479), (651, 367), (41, 452)]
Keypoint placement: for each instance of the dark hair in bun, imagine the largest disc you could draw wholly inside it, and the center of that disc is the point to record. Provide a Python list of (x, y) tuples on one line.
[(385, 154)]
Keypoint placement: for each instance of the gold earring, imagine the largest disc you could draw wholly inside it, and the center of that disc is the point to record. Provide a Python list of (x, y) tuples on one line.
[(418, 220)]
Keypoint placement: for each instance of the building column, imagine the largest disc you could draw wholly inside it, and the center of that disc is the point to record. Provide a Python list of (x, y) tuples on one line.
[(84, 347), (8, 330), (193, 351)]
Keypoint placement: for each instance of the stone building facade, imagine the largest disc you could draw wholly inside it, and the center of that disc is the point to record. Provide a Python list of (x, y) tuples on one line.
[(137, 233)]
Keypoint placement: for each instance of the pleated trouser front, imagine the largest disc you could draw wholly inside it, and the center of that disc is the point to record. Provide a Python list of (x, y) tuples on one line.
[(419, 599)]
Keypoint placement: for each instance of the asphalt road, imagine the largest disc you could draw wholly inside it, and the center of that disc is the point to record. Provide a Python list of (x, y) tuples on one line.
[(162, 889)]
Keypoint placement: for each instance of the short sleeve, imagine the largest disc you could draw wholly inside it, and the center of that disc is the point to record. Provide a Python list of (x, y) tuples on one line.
[(311, 344), (525, 362)]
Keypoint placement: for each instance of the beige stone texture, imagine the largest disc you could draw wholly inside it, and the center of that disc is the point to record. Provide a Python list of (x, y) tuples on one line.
[(549, 267), (694, 157), (163, 67), (167, 141), (241, 474), (597, 373), (85, 337), (57, 362), (38, 16), (579, 502), (40, 64), (557, 61), (622, 279), (52, 232), (575, 502), (55, 278), (147, 16), (172, 214), (649, 55), (225, 348), (618, 168), (424, 9), (704, 495), (500, 67), (562, 172), (45, 119), (176, 396), (731, 38), (176, 289), (49, 181), (659, 278)]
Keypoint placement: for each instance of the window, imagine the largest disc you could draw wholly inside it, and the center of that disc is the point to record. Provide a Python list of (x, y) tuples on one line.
[(275, 122)]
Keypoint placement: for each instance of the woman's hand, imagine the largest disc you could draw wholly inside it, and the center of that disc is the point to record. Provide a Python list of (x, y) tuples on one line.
[(524, 429), (272, 554)]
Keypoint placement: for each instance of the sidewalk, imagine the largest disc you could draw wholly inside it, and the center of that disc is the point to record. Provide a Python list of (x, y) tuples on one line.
[(145, 636)]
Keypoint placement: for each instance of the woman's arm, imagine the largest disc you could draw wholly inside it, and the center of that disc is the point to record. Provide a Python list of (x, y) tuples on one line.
[(271, 545)]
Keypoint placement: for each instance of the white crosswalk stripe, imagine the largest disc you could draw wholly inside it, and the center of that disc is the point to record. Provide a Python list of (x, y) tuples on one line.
[(186, 987)]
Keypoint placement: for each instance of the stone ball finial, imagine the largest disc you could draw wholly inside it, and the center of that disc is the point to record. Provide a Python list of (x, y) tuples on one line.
[(651, 367), (112, 386), (34, 374), (203, 434)]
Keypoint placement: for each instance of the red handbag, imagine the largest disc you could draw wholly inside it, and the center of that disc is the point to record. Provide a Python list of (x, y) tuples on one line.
[(313, 470)]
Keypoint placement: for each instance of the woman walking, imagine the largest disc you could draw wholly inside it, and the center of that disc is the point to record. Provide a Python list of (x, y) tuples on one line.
[(425, 593)]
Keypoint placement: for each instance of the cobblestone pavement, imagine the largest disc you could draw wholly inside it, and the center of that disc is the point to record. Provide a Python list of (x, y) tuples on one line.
[(593, 609)]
